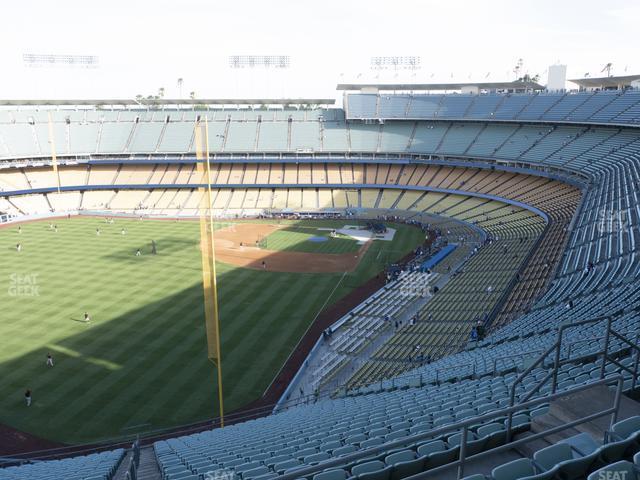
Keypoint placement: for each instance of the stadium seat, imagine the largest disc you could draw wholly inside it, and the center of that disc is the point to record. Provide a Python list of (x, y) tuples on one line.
[(405, 463), (337, 474), (628, 428), (622, 470), (521, 469), (494, 435), (562, 459), (372, 470)]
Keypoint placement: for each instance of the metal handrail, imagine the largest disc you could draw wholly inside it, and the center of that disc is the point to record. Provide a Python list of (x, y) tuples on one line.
[(613, 411), (465, 425), (20, 461), (557, 347)]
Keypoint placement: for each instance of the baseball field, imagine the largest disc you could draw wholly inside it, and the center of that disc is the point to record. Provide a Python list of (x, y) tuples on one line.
[(139, 364)]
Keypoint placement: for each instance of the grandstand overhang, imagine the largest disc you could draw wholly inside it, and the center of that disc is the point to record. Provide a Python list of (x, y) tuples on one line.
[(162, 102), (477, 87), (607, 83)]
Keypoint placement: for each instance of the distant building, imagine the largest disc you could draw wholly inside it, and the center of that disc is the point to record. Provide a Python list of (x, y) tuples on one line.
[(607, 83), (557, 80)]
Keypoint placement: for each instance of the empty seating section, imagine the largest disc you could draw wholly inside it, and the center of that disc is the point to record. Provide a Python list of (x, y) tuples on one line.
[(273, 137), (364, 138), (390, 410), (529, 276), (113, 137), (553, 142), (241, 137), (621, 107), (456, 142), (524, 188), (419, 106), (538, 106), (572, 147), (177, 137), (511, 106), (394, 138), (393, 107), (455, 106), (334, 138), (43, 138), (367, 321), (96, 199), (446, 320), (97, 466), (18, 140), (145, 136), (367, 104), (427, 137), (305, 137), (595, 103), (522, 140), (31, 204), (64, 201), (13, 179)]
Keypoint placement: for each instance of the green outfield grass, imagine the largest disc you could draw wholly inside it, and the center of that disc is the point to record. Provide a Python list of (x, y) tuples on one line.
[(141, 363)]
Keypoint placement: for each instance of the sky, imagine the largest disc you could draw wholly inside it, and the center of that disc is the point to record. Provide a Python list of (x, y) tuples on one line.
[(143, 46)]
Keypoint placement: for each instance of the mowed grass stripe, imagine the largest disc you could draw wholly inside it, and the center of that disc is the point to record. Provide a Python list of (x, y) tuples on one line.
[(143, 357), (266, 356), (154, 367)]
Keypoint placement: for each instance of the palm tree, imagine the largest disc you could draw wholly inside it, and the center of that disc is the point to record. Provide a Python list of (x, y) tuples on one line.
[(180, 82), (161, 92), (192, 95)]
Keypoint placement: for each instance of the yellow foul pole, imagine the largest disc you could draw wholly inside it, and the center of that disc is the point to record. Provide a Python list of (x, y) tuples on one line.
[(54, 159), (209, 279)]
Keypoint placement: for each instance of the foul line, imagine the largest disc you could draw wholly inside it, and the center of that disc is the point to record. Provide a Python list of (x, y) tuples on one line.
[(305, 332)]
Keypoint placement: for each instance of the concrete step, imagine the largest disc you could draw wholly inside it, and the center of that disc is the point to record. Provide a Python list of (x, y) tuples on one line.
[(123, 467), (548, 421), (148, 468), (580, 404), (573, 407)]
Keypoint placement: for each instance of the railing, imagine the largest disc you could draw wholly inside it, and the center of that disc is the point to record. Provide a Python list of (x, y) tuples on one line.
[(9, 461), (134, 462), (464, 427), (556, 349)]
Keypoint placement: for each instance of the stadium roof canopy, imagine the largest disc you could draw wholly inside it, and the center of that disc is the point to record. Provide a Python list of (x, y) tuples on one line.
[(606, 82), (179, 101), (514, 86)]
